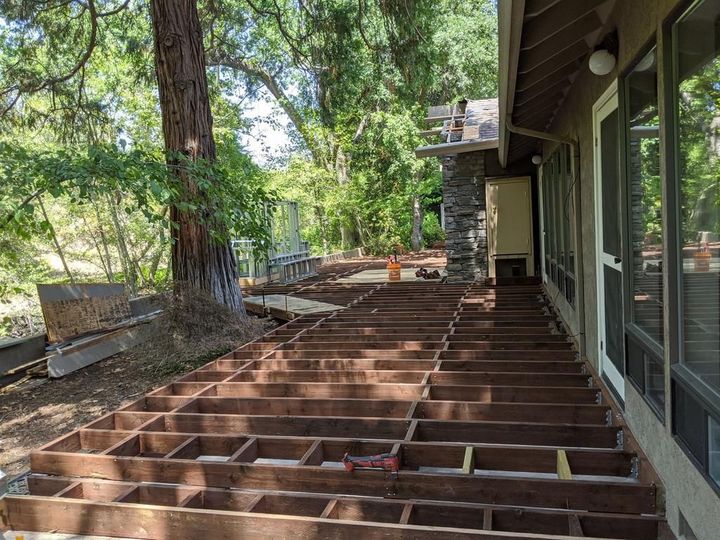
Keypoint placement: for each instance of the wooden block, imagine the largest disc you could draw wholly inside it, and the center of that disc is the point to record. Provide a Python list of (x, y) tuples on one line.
[(330, 511), (487, 519), (254, 503), (563, 467), (314, 455), (405, 516), (469, 461), (574, 526)]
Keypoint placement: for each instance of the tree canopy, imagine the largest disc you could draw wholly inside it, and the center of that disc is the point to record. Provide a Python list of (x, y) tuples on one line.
[(81, 132)]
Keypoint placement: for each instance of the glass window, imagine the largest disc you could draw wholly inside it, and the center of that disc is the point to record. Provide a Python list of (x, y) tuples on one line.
[(643, 166), (714, 442), (697, 71), (558, 218), (689, 419)]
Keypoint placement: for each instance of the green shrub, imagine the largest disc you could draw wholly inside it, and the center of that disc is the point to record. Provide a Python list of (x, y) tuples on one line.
[(432, 231)]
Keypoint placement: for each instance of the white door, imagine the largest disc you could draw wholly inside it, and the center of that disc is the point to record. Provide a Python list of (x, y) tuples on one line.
[(608, 230), (509, 222)]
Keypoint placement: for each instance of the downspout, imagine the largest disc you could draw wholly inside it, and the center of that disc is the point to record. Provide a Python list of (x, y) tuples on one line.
[(572, 144)]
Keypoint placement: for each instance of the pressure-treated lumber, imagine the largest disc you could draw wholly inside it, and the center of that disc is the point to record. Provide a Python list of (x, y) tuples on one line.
[(477, 391)]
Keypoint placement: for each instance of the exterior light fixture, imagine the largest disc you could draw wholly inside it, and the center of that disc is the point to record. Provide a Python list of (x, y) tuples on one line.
[(603, 59), (537, 159), (602, 62)]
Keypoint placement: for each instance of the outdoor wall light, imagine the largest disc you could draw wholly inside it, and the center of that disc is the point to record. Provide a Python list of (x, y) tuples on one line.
[(603, 60), (537, 159)]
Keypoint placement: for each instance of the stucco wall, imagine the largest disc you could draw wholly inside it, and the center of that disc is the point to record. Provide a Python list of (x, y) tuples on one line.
[(639, 23)]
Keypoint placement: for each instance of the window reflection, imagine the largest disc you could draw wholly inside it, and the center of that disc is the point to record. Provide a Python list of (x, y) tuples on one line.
[(645, 197), (698, 94)]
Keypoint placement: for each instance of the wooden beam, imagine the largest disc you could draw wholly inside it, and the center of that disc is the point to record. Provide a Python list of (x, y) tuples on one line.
[(554, 20), (452, 379), (487, 519), (153, 521), (559, 41), (456, 514), (599, 497)]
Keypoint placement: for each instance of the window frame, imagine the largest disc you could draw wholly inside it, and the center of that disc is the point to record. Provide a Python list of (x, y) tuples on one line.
[(634, 333), (681, 377), (557, 187)]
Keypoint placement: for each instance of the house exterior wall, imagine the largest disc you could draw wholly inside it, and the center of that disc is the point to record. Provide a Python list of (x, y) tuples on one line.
[(638, 23)]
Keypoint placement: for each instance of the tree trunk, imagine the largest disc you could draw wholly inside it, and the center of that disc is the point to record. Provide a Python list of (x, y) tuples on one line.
[(348, 233), (97, 248), (104, 241), (122, 249), (416, 239), (197, 258), (58, 248)]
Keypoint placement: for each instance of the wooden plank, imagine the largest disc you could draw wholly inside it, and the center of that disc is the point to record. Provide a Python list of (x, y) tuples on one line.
[(455, 514), (574, 526), (599, 497), (150, 522), (314, 455), (405, 517), (452, 379), (556, 19)]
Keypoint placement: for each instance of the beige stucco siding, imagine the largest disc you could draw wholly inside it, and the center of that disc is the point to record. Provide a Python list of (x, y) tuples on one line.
[(639, 23)]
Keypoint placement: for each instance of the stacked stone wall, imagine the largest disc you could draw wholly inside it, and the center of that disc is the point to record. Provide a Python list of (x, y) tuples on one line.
[(465, 225)]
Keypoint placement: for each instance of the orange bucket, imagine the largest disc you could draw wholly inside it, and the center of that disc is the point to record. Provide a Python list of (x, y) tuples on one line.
[(702, 260), (394, 271)]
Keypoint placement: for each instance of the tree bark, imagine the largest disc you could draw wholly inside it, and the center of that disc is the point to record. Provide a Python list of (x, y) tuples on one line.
[(58, 248), (197, 259), (122, 249), (348, 233), (416, 239), (104, 241)]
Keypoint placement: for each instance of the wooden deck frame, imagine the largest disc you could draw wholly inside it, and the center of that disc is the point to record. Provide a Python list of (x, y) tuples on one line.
[(500, 430)]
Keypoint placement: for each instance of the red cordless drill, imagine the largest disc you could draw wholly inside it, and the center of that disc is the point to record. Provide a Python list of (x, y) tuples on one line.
[(378, 462)]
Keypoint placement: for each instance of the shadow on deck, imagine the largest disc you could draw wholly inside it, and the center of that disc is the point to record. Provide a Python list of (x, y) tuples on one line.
[(500, 430)]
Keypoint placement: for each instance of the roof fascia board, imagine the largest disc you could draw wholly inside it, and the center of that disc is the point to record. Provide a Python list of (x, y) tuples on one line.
[(510, 23), (444, 149)]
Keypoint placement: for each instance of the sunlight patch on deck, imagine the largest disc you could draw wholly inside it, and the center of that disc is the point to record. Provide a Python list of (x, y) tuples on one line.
[(291, 305), (381, 276)]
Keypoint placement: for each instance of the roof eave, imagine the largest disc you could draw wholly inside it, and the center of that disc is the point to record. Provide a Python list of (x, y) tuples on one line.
[(510, 22), (461, 147)]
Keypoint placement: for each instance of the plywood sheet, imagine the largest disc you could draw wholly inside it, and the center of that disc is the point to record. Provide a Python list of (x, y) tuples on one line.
[(292, 305), (73, 310)]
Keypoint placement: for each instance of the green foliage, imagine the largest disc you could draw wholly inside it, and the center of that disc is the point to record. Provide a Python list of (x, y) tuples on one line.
[(80, 126), (229, 195), (319, 196), (387, 176), (432, 231), (699, 167)]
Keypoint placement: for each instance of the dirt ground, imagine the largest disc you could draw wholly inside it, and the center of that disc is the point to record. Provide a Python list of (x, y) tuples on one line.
[(194, 334), (43, 409)]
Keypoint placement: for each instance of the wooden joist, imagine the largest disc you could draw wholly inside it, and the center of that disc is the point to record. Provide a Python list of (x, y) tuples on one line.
[(484, 403)]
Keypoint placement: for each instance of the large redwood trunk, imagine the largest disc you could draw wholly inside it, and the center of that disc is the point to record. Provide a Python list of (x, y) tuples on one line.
[(197, 259)]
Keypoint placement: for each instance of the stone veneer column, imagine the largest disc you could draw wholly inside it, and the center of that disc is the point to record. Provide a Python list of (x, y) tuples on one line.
[(465, 229)]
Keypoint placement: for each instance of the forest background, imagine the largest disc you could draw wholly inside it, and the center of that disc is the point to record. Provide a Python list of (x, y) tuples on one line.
[(84, 192)]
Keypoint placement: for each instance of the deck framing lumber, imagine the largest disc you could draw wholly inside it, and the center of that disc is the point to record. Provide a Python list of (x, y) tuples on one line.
[(500, 430)]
